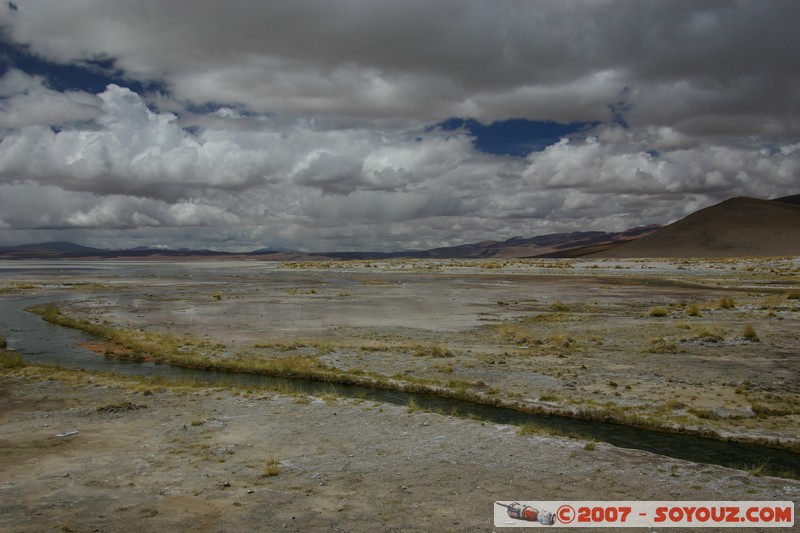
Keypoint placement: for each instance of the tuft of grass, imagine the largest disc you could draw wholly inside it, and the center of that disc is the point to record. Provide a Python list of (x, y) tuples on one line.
[(549, 397), (413, 406), (693, 310), (749, 333), (562, 340), (530, 428), (120, 407), (514, 334), (726, 302), (658, 312), (590, 446), (10, 360), (301, 292), (708, 334), (458, 384), (756, 468), (445, 368), (559, 306), (793, 295), (674, 404), (272, 468), (433, 350), (660, 345), (763, 410), (705, 414)]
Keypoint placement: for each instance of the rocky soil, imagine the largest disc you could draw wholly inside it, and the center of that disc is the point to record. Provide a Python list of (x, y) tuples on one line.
[(153, 458)]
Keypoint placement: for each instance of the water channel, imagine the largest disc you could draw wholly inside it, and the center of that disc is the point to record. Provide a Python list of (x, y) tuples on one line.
[(43, 343)]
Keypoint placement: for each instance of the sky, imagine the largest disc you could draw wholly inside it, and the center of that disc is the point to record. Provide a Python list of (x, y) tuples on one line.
[(322, 125)]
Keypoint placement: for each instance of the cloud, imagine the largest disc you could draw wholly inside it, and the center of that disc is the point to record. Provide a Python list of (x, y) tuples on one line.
[(26, 100), (397, 60), (308, 124), (359, 187)]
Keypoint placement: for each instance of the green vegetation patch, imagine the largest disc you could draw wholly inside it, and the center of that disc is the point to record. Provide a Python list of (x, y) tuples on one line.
[(10, 360)]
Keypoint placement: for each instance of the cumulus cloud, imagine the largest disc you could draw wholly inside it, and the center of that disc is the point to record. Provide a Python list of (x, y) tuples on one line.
[(26, 100), (310, 124), (133, 168)]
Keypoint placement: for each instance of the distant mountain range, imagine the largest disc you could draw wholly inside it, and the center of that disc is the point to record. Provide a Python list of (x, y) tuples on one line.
[(734, 228), (512, 248)]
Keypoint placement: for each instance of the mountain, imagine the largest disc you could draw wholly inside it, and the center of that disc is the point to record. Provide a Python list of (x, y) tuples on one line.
[(738, 227), (49, 247), (553, 245), (794, 199), (68, 250)]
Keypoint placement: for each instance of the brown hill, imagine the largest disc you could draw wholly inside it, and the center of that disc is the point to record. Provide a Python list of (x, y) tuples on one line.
[(738, 227)]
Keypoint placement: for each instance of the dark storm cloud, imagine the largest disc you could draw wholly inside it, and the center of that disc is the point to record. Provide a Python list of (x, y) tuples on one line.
[(311, 122), (431, 60)]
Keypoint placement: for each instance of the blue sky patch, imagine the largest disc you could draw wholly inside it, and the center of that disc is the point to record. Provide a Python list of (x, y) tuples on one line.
[(92, 76), (516, 136)]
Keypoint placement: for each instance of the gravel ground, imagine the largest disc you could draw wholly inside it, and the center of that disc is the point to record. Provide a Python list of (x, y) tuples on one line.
[(153, 458)]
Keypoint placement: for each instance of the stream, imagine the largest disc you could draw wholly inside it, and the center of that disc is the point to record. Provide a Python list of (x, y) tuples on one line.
[(40, 342)]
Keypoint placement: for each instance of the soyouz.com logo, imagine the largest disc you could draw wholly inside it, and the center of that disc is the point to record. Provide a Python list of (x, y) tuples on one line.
[(644, 514)]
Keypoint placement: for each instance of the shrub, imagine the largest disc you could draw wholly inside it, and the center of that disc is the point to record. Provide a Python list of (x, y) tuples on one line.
[(658, 312), (559, 306), (726, 302)]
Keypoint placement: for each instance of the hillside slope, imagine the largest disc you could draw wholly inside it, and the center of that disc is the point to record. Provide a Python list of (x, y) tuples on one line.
[(738, 227)]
